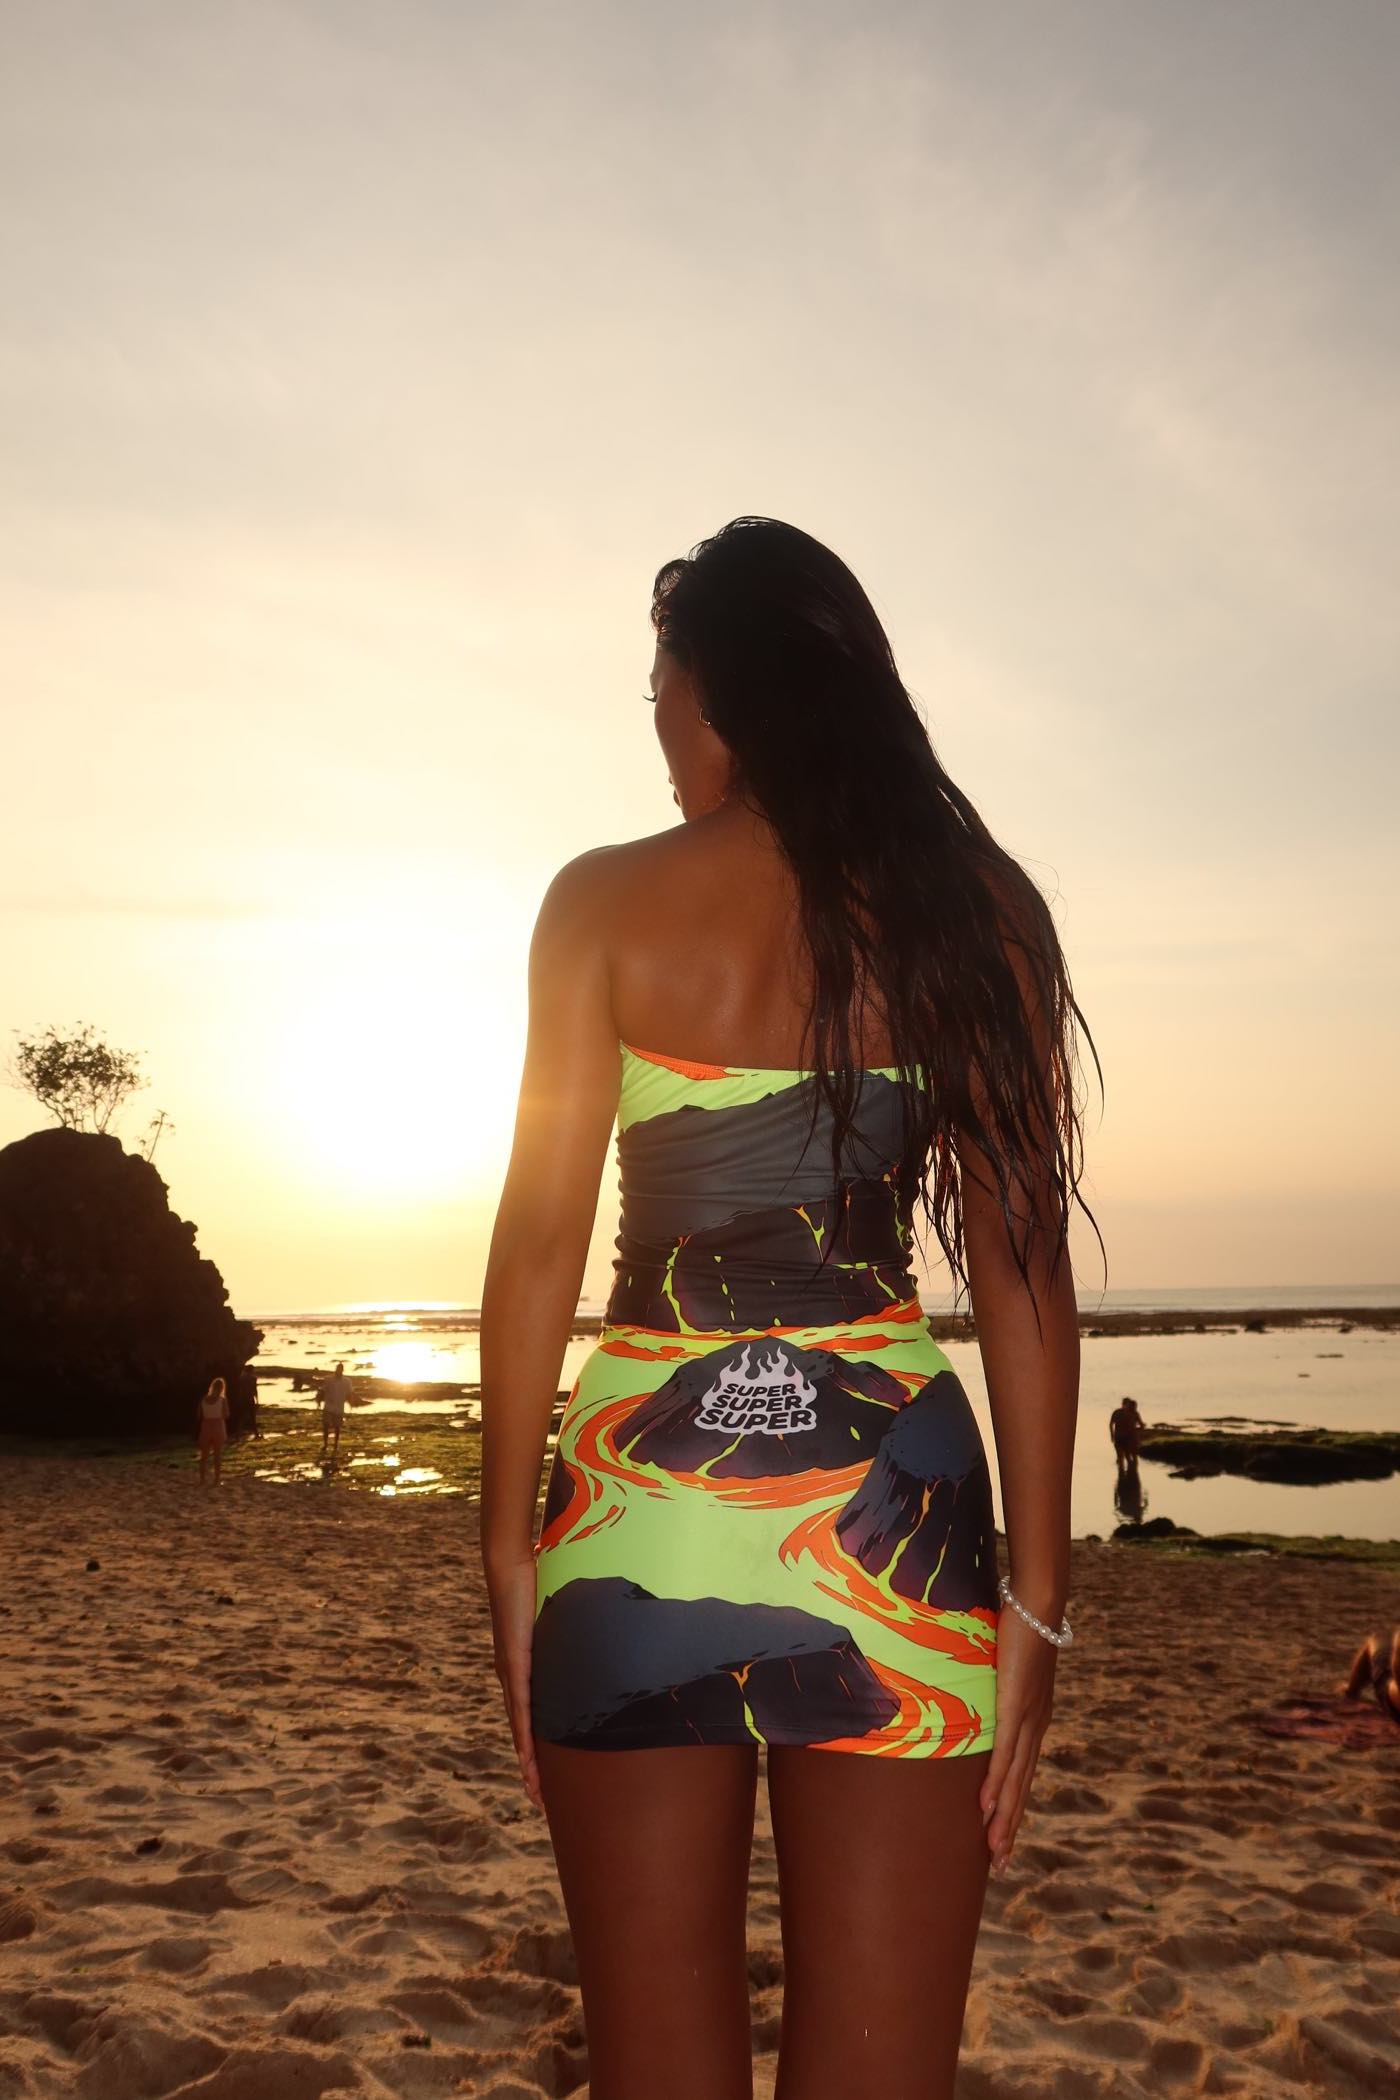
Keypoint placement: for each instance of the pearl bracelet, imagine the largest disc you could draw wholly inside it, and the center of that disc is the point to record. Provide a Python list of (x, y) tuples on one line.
[(1061, 1639)]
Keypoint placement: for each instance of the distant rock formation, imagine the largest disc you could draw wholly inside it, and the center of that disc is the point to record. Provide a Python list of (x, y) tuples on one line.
[(1301, 1457), (111, 1322)]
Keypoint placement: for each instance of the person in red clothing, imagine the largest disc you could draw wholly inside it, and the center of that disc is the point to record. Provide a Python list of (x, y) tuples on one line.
[(213, 1429)]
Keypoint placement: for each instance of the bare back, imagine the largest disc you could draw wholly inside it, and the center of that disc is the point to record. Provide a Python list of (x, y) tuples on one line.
[(705, 952)]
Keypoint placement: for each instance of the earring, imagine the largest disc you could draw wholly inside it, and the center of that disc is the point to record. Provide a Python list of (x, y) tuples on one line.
[(705, 719)]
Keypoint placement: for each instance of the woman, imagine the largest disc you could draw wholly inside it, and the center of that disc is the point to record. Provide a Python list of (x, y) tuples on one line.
[(213, 1429), (825, 1001)]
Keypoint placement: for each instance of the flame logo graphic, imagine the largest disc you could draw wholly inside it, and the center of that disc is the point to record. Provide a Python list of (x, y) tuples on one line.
[(762, 1392)]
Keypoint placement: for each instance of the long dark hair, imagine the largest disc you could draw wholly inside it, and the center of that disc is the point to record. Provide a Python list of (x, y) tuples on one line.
[(908, 904)]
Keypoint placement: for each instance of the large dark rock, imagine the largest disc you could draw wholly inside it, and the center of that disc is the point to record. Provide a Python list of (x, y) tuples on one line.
[(110, 1320)]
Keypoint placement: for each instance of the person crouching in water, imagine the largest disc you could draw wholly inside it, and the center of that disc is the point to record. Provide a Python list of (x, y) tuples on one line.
[(213, 1429)]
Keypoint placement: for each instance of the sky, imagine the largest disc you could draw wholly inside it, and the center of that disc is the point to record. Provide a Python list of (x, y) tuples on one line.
[(362, 360)]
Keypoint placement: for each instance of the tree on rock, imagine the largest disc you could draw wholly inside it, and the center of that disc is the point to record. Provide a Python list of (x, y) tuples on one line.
[(78, 1079), (82, 1082)]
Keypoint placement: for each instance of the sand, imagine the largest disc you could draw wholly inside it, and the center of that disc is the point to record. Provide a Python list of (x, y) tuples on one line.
[(261, 1833)]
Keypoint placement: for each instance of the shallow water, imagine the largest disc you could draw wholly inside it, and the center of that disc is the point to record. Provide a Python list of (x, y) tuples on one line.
[(1316, 1376), (1311, 1377)]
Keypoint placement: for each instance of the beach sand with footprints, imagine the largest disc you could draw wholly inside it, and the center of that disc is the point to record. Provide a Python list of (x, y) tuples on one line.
[(261, 1832)]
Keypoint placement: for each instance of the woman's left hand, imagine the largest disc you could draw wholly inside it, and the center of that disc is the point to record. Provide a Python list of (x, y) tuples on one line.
[(1025, 1699), (511, 1590)]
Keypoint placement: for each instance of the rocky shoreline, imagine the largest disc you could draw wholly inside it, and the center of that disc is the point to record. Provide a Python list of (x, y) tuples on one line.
[(962, 1326), (1307, 1457)]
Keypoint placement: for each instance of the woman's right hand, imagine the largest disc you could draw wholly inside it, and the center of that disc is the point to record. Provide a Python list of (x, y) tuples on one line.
[(511, 1590)]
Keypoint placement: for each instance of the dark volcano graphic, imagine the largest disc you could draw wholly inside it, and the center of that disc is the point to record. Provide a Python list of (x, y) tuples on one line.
[(922, 1516), (612, 1664), (761, 1409), (558, 1491), (763, 1268)]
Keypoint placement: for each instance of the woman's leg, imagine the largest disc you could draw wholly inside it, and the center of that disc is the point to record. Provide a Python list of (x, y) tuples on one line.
[(653, 1853), (882, 1873)]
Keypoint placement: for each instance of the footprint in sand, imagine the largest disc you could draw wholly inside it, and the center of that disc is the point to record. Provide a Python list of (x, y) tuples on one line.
[(125, 2055), (27, 1852), (437, 2010), (1177, 2060), (275, 2074), (1097, 1957), (205, 1893), (1158, 1991), (1157, 1861), (20, 1919), (331, 2019), (1096, 2034), (509, 2000), (1355, 2043), (177, 1954), (1070, 1800), (541, 1951), (1330, 1898), (1065, 2004)]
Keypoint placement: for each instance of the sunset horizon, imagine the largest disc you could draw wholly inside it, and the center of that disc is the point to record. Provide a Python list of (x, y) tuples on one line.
[(814, 585), (340, 481)]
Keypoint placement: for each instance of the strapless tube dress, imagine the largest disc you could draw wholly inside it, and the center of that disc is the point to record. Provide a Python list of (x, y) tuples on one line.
[(768, 1517)]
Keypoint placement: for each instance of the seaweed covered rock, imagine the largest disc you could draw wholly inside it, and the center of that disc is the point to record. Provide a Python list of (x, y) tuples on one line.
[(111, 1322)]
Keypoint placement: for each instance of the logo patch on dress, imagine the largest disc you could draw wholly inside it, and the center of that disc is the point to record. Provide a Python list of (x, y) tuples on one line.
[(763, 1392)]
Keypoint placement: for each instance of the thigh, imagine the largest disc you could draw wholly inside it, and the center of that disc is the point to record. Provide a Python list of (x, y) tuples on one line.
[(882, 1874), (653, 1854)]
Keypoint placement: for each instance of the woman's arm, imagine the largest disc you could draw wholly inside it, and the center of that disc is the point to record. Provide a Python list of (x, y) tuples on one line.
[(1033, 1391), (568, 1101), (1028, 1335)]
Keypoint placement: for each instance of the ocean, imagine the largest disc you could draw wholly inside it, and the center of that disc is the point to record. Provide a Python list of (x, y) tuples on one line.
[(1328, 1373)]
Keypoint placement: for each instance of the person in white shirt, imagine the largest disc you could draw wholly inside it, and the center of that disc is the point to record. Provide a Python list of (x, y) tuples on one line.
[(333, 1396)]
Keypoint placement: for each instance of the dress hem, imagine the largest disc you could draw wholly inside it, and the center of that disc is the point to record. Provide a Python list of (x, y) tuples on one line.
[(967, 1741)]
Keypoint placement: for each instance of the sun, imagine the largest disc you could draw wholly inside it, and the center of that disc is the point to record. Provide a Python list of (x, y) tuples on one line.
[(396, 1079)]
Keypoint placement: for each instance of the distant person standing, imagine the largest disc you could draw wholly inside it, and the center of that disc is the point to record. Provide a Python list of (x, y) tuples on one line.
[(248, 1397), (1125, 1426), (213, 1429), (334, 1394)]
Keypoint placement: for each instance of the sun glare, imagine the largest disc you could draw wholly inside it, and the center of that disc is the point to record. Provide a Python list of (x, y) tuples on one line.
[(396, 1068), (413, 1363)]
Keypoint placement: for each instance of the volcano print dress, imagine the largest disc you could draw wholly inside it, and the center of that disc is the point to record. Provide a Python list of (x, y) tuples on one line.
[(769, 1515)]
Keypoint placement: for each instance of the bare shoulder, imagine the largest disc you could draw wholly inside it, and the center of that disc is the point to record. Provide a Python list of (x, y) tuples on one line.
[(578, 884), (589, 888), (583, 899)]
